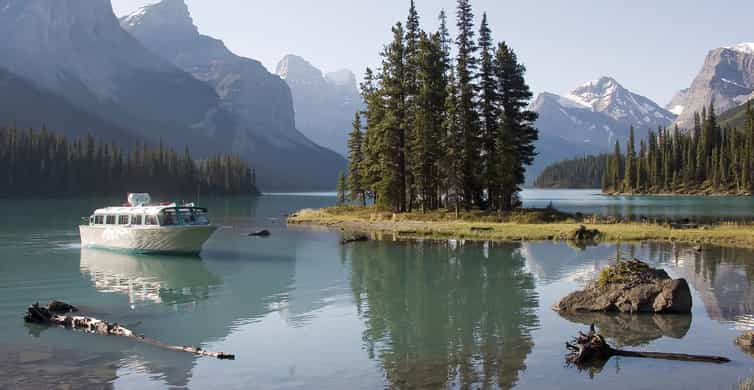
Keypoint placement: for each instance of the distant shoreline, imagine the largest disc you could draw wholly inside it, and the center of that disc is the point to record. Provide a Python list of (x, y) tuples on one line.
[(444, 226)]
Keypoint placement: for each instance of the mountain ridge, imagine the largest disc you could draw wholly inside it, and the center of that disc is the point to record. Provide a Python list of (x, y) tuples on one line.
[(589, 119), (325, 103), (267, 133), (726, 78)]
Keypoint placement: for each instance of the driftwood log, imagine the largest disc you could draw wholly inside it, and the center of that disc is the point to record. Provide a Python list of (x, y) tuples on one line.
[(588, 350), (59, 314)]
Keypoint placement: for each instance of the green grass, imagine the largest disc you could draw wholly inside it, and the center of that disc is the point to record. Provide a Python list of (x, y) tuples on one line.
[(527, 225)]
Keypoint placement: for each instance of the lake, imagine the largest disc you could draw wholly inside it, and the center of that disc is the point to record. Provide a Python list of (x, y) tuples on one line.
[(301, 311)]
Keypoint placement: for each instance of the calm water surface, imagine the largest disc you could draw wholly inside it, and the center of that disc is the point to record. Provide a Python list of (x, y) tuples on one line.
[(301, 311)]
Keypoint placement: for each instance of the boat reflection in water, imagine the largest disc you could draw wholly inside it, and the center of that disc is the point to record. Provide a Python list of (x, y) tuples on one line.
[(148, 279)]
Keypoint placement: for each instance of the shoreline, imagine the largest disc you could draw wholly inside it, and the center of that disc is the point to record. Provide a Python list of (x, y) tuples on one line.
[(414, 226)]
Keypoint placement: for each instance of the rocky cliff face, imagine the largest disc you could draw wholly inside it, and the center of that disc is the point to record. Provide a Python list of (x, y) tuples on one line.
[(267, 134), (77, 50), (727, 78), (325, 104)]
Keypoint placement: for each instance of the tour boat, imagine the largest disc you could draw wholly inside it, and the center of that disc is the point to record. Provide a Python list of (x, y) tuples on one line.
[(141, 227)]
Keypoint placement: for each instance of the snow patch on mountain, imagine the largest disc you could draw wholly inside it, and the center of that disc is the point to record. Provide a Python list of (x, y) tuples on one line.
[(744, 47)]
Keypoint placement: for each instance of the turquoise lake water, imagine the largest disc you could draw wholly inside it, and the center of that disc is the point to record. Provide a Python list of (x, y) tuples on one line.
[(301, 311)]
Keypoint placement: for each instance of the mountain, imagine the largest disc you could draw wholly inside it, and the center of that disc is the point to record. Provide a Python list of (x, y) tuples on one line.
[(266, 133), (727, 78), (325, 104), (589, 120), (736, 117), (677, 104), (75, 51), (21, 103)]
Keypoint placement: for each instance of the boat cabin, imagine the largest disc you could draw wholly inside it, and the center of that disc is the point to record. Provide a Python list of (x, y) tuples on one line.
[(138, 212), (150, 216)]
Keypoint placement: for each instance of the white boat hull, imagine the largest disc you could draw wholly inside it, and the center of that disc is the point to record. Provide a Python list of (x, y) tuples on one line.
[(152, 239)]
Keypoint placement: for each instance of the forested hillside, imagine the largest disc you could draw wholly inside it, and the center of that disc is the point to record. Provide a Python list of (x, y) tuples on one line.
[(736, 117), (707, 159), (582, 172), (42, 163)]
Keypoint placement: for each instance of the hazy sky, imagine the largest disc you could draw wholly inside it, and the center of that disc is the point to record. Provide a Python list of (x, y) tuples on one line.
[(653, 47)]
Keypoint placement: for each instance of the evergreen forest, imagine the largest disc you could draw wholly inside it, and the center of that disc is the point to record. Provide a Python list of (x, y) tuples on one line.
[(45, 164), (446, 123), (710, 158), (580, 172)]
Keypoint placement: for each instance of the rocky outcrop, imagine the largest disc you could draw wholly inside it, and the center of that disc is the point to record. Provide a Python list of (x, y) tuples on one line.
[(266, 134), (727, 78), (630, 287), (746, 342)]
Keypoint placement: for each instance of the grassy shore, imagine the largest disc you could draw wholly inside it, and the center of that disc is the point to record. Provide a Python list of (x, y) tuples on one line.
[(522, 225)]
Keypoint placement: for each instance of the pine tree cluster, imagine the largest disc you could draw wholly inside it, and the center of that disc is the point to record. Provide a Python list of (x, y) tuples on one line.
[(42, 163), (706, 159), (441, 131), (581, 172)]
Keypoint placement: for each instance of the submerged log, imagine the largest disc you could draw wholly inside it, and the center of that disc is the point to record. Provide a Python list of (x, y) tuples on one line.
[(588, 350), (57, 314)]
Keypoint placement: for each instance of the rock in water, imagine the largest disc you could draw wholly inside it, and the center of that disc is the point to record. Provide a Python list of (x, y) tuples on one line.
[(630, 287), (746, 342), (354, 237)]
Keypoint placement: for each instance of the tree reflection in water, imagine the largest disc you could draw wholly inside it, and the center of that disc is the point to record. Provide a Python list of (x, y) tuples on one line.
[(441, 314)]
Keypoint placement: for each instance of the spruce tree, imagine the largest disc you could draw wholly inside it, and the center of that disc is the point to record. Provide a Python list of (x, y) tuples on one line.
[(516, 133), (341, 189), (629, 179), (428, 131), (466, 67), (356, 162), (488, 111), (392, 186), (413, 36), (615, 170), (453, 145)]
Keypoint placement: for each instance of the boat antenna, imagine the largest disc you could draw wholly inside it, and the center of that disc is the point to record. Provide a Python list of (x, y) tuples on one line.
[(198, 191)]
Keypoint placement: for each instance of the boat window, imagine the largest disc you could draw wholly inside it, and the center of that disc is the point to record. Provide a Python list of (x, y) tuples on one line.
[(151, 220), (202, 219), (168, 218), (110, 220), (123, 220), (137, 219), (99, 219)]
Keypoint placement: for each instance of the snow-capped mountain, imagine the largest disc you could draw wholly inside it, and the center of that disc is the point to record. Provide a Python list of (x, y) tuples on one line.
[(598, 113), (610, 98), (325, 104), (267, 133), (727, 78), (590, 119)]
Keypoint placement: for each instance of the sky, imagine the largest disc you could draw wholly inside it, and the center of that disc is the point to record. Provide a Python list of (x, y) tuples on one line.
[(652, 47)]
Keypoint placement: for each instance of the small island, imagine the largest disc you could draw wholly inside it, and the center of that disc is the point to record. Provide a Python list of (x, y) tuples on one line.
[(520, 225)]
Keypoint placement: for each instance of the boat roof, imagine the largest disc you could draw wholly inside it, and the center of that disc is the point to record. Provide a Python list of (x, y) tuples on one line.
[(146, 210)]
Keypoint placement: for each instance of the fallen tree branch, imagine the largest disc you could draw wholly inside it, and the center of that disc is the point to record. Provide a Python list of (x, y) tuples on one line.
[(592, 350), (58, 314)]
